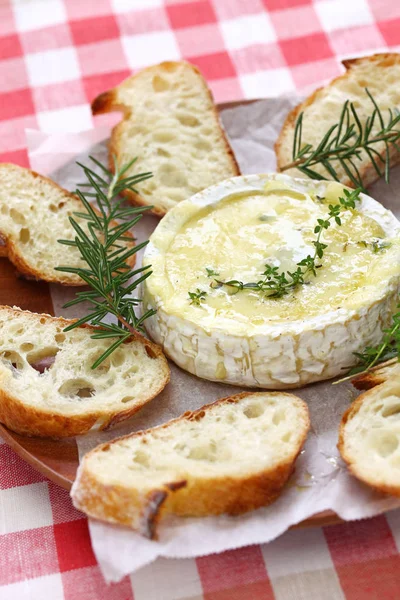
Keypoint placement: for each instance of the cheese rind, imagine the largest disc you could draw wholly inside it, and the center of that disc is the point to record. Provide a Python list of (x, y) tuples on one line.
[(237, 227)]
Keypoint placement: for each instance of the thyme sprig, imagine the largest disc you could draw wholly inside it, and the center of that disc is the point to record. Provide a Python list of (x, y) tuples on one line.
[(211, 272), (101, 245), (275, 283), (197, 297), (344, 142)]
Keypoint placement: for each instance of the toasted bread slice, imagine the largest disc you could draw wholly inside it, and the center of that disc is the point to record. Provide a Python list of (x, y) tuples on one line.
[(3, 248), (231, 456), (377, 375), (369, 437), (47, 385), (171, 124), (34, 214), (379, 73)]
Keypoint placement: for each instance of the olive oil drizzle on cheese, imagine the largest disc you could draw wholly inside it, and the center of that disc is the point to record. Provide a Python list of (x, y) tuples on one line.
[(276, 283), (230, 238)]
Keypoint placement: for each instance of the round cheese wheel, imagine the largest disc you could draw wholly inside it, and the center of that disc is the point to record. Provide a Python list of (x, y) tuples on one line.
[(233, 231)]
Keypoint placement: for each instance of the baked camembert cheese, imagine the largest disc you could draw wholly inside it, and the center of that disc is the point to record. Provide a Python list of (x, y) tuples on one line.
[(230, 232)]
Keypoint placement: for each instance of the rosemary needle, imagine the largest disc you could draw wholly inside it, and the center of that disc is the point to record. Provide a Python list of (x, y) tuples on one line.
[(346, 143), (389, 348), (101, 245)]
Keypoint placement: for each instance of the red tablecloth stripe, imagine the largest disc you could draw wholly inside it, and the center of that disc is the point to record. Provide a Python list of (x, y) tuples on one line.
[(55, 57)]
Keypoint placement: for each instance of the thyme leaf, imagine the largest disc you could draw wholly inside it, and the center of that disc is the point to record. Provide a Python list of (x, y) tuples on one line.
[(197, 297), (211, 272), (275, 283)]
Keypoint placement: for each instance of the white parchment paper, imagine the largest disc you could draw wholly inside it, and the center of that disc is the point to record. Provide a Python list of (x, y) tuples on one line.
[(320, 481)]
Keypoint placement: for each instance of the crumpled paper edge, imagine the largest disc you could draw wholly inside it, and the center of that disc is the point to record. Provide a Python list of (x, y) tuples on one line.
[(135, 551)]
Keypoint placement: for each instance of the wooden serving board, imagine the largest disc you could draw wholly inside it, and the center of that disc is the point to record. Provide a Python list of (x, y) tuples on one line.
[(58, 459)]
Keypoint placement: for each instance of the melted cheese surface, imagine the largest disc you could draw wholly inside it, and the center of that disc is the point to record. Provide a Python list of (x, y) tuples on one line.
[(240, 234)]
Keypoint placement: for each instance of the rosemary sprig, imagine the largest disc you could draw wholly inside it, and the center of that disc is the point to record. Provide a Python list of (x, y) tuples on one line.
[(277, 284), (343, 144), (101, 245), (389, 348)]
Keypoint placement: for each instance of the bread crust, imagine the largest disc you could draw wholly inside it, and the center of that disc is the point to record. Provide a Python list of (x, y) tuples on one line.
[(352, 465), (108, 102), (3, 247), (36, 421), (11, 251), (367, 172), (189, 497), (376, 375)]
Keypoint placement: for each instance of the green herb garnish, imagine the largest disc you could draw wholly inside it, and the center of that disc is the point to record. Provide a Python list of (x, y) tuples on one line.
[(373, 355), (275, 283), (378, 245), (388, 348), (197, 297), (344, 143), (266, 218), (107, 273)]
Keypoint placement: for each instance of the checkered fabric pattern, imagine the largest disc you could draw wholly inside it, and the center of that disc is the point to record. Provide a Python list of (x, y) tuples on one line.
[(55, 57)]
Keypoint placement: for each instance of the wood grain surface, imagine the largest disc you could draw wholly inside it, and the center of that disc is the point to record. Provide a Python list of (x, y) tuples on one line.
[(57, 460), (16, 291)]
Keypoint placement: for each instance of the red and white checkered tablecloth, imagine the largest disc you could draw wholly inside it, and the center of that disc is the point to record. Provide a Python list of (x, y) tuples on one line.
[(55, 57)]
